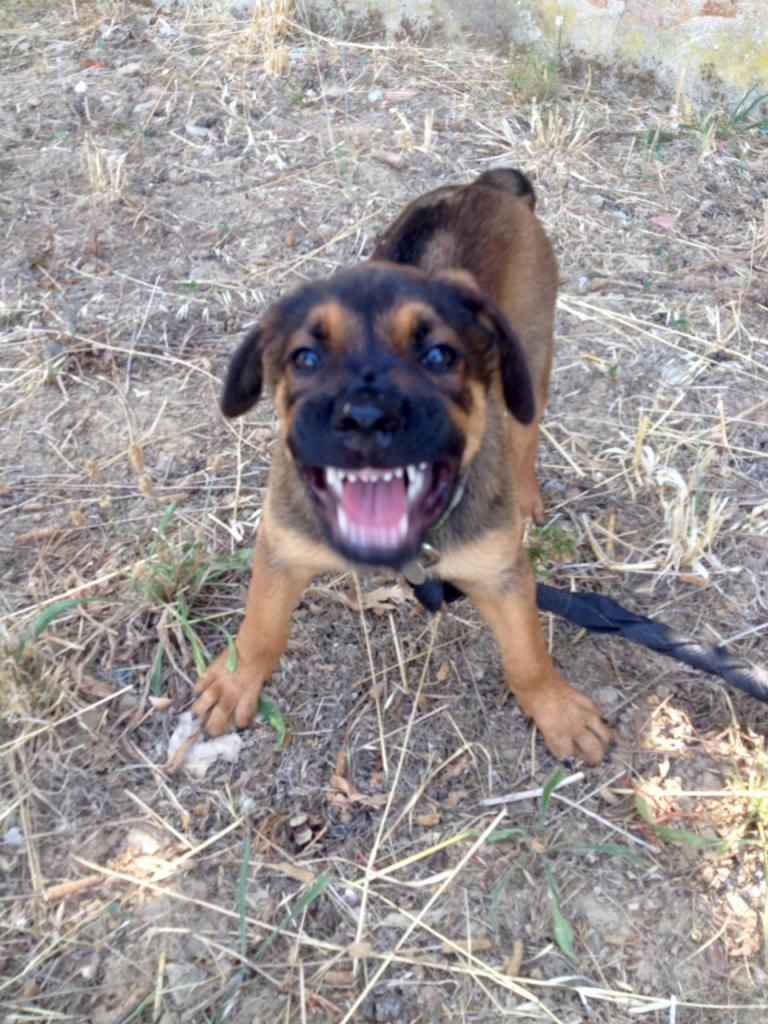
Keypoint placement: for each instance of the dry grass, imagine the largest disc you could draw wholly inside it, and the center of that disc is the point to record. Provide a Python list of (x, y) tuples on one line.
[(166, 174)]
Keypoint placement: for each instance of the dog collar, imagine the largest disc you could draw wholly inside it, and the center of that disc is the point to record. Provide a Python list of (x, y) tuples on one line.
[(415, 571)]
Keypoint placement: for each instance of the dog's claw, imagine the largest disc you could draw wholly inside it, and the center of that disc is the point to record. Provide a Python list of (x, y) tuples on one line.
[(228, 699), (568, 719)]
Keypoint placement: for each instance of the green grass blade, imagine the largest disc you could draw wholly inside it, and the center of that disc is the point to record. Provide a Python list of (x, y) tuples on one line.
[(138, 1010), (681, 837), (199, 653), (156, 679), (222, 1010), (677, 836), (547, 790), (227, 1000), (764, 847), (742, 111), (42, 621), (611, 849), (242, 887), (232, 656), (168, 516), (316, 890), (498, 836), (270, 714), (562, 926), (496, 894)]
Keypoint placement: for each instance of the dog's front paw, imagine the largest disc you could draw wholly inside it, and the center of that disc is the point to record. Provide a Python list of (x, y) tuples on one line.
[(570, 722), (229, 698)]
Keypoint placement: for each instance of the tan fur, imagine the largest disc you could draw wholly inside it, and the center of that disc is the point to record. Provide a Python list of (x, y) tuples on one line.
[(486, 236), (517, 270), (230, 696), (473, 424), (337, 324), (401, 325)]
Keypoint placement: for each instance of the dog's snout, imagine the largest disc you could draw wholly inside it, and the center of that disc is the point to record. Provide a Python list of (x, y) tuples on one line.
[(366, 414)]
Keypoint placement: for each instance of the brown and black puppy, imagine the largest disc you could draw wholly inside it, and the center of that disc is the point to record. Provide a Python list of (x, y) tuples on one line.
[(408, 392)]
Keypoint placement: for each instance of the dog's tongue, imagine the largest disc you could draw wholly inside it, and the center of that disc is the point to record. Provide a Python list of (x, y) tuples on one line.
[(376, 504)]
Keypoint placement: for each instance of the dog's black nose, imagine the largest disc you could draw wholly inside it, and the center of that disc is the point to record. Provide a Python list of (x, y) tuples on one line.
[(366, 415)]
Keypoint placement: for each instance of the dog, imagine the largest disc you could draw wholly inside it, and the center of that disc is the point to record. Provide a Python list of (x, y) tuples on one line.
[(408, 391)]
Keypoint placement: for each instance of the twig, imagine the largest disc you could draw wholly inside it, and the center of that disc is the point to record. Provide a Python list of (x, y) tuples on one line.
[(529, 794)]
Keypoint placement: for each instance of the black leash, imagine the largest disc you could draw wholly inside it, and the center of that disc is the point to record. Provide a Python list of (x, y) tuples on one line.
[(604, 615)]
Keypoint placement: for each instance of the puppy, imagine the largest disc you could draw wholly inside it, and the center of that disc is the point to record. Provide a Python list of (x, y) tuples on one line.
[(409, 391)]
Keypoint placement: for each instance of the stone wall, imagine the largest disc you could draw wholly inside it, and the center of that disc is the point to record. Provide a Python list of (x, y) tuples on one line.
[(715, 43)]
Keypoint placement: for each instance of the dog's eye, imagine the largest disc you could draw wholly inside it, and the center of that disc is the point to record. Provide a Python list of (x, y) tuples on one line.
[(306, 359), (440, 358)]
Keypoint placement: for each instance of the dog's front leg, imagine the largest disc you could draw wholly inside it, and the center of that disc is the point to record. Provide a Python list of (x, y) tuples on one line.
[(523, 441), (569, 721), (229, 696)]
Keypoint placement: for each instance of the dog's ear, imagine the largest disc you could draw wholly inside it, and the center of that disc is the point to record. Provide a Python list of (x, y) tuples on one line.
[(245, 375), (515, 375)]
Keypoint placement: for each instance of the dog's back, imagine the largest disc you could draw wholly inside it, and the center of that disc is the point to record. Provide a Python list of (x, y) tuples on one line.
[(511, 180), (472, 227), (489, 229)]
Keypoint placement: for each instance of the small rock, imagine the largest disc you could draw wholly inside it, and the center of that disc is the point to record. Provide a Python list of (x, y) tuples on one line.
[(607, 697), (184, 981), (131, 68), (14, 836), (384, 1007), (394, 160), (197, 131)]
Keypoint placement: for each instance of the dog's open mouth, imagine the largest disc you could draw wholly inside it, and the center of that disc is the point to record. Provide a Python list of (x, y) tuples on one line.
[(379, 515)]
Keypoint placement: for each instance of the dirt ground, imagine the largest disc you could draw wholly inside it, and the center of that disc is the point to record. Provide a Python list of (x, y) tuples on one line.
[(166, 172)]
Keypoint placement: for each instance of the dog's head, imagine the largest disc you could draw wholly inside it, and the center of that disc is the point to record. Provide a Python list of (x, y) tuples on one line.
[(381, 377)]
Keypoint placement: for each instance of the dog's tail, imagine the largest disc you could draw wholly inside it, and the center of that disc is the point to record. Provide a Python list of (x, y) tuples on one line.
[(511, 180)]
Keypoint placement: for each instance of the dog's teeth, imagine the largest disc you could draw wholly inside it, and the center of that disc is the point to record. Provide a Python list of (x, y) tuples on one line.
[(334, 479), (341, 518), (416, 480), (423, 466), (375, 537)]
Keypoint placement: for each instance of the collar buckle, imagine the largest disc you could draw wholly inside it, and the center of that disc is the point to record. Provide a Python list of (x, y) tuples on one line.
[(416, 571)]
